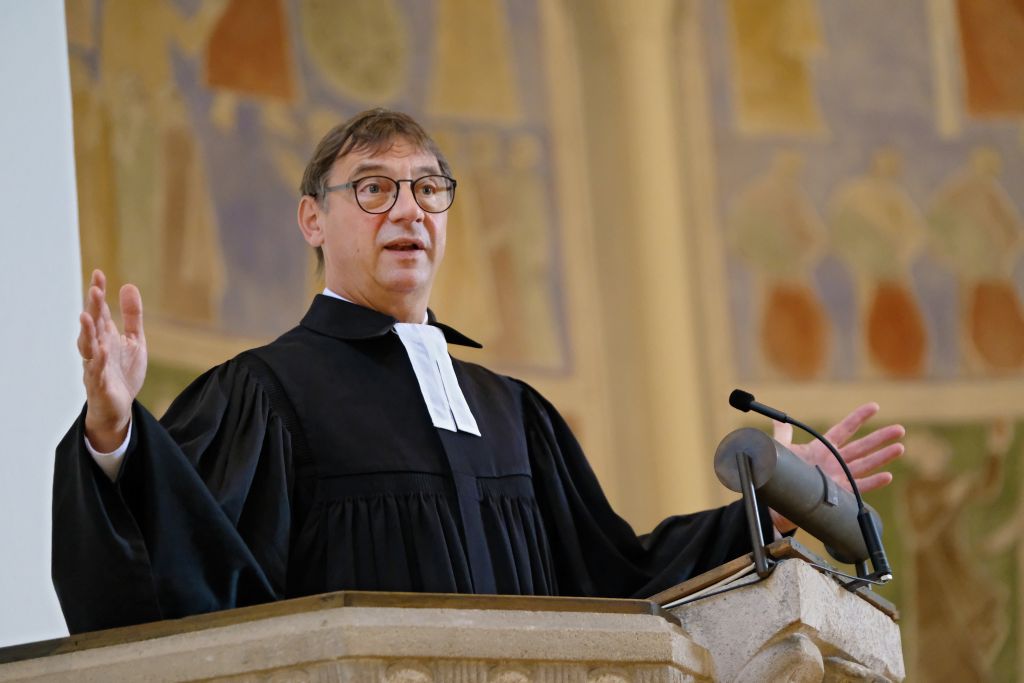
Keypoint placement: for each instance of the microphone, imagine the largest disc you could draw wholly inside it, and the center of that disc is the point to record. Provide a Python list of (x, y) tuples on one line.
[(796, 490), (744, 401)]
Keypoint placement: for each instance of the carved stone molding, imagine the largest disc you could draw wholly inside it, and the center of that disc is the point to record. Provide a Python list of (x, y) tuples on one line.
[(392, 645), (797, 625), (794, 658), (441, 671)]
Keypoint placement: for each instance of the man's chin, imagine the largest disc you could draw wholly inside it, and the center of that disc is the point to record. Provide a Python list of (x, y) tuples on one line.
[(411, 283)]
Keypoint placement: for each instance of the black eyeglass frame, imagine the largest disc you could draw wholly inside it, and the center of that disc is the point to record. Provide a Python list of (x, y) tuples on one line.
[(398, 185)]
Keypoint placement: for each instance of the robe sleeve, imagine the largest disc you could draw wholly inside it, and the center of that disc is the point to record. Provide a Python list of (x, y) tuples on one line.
[(596, 552), (197, 520)]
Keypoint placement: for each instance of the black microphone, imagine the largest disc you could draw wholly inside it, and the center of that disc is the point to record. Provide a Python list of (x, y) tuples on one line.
[(744, 401)]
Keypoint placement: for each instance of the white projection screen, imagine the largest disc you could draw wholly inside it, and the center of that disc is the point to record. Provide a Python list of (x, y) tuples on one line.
[(40, 291)]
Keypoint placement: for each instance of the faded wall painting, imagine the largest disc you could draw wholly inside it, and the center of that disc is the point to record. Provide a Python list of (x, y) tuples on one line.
[(193, 123), (990, 37), (863, 242), (773, 49), (868, 238), (956, 510)]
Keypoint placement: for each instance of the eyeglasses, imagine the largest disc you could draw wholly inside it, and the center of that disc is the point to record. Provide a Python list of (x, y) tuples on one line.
[(377, 194)]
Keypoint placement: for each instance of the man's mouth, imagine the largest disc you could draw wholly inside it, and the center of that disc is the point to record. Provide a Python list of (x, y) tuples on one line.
[(404, 245)]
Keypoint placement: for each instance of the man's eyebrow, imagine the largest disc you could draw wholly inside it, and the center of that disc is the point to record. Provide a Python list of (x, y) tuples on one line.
[(369, 167)]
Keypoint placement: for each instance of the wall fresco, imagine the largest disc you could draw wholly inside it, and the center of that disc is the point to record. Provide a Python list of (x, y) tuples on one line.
[(879, 251), (194, 120), (920, 227)]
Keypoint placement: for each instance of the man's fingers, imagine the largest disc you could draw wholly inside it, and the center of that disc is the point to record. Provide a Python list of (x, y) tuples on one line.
[(95, 367), (105, 317), (86, 333), (840, 433), (875, 481), (782, 432), (95, 293), (867, 444), (106, 328), (94, 302), (100, 312), (876, 459), (99, 280), (131, 311), (94, 354)]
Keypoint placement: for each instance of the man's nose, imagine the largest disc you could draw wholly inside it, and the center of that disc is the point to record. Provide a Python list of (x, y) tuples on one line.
[(405, 207)]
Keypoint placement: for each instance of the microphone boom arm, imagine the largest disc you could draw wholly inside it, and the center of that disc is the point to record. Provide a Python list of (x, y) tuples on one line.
[(872, 538)]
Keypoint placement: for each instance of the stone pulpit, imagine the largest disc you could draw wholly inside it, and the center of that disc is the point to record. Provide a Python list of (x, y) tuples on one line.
[(796, 625)]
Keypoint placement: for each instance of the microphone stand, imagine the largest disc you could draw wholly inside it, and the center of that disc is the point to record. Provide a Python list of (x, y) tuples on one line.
[(762, 563)]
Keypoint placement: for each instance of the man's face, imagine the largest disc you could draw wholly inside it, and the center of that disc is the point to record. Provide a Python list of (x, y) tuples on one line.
[(384, 261)]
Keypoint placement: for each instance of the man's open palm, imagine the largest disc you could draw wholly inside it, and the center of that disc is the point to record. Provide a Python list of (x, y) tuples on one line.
[(114, 363)]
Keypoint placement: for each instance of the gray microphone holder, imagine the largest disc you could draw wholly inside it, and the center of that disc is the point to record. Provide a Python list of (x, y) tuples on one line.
[(752, 463)]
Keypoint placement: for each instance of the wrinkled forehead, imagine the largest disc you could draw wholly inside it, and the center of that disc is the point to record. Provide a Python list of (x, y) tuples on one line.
[(382, 154)]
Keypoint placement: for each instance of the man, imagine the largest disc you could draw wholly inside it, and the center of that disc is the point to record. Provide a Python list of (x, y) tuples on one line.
[(352, 452)]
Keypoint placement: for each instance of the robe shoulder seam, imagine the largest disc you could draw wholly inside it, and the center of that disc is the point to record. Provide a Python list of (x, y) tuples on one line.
[(280, 403)]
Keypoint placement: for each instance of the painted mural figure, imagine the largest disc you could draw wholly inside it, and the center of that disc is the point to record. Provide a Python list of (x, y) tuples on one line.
[(960, 610), (774, 45), (354, 452), (878, 231), (166, 235), (531, 253), (515, 230), (248, 51), (474, 66), (249, 54), (990, 40), (361, 48), (1010, 534), (978, 233), (776, 230)]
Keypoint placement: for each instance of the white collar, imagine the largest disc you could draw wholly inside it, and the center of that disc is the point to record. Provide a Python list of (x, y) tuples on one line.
[(439, 386)]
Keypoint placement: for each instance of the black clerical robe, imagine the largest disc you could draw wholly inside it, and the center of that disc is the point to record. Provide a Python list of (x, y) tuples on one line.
[(311, 465)]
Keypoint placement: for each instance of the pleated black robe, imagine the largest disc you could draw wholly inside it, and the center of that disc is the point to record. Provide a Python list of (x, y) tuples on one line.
[(311, 465)]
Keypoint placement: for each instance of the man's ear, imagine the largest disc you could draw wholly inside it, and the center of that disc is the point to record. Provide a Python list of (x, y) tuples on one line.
[(310, 220)]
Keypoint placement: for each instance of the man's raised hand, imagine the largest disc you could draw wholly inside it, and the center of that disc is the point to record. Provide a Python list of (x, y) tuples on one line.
[(114, 363), (864, 456)]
